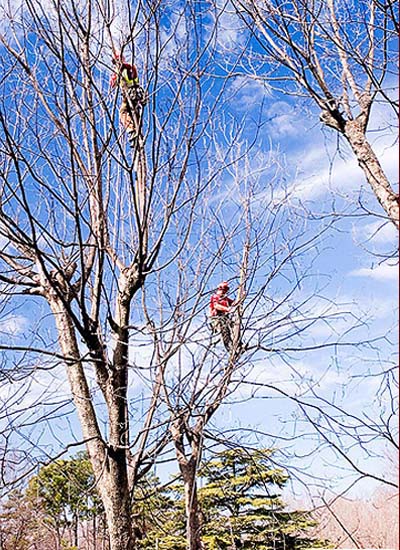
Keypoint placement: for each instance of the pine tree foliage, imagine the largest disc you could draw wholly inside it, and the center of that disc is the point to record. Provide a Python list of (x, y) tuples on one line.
[(67, 490), (159, 515), (243, 507)]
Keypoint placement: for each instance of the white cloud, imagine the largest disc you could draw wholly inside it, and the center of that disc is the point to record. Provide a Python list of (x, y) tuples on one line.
[(376, 233), (13, 325), (387, 271), (247, 92), (283, 120), (117, 15), (228, 26), (39, 388), (316, 177), (320, 170), (285, 377), (383, 309), (173, 33)]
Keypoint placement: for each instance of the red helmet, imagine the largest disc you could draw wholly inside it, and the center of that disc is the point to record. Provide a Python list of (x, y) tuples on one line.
[(223, 286)]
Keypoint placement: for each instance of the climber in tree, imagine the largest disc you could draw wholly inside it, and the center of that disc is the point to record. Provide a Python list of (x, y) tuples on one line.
[(133, 96), (220, 308)]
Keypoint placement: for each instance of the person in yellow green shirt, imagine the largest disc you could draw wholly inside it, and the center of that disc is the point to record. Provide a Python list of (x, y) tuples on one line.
[(134, 97)]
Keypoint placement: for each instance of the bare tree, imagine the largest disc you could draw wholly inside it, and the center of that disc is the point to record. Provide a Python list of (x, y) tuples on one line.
[(84, 218), (361, 523), (338, 55), (257, 253)]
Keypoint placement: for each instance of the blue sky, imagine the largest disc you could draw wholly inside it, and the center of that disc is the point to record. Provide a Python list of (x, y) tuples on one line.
[(353, 259)]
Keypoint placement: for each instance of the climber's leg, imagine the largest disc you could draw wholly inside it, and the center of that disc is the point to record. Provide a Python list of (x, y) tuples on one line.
[(226, 331)]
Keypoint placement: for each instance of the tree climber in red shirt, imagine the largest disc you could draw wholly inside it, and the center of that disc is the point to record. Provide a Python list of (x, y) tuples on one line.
[(134, 98), (220, 307)]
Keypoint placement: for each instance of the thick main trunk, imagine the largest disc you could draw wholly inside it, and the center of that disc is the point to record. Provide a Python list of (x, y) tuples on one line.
[(109, 462), (117, 505), (372, 169), (193, 524)]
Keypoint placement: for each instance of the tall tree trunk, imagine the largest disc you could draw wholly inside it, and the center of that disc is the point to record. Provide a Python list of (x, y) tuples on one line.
[(108, 461), (188, 468), (369, 163), (115, 495), (193, 523)]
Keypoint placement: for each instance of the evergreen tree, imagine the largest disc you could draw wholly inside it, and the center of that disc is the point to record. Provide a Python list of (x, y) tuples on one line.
[(240, 504), (67, 493), (243, 508), (66, 490), (159, 515), (161, 510)]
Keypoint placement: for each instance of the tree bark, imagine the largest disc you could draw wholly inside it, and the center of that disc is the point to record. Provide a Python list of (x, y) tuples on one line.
[(188, 468), (193, 523), (372, 169), (116, 500), (108, 461)]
